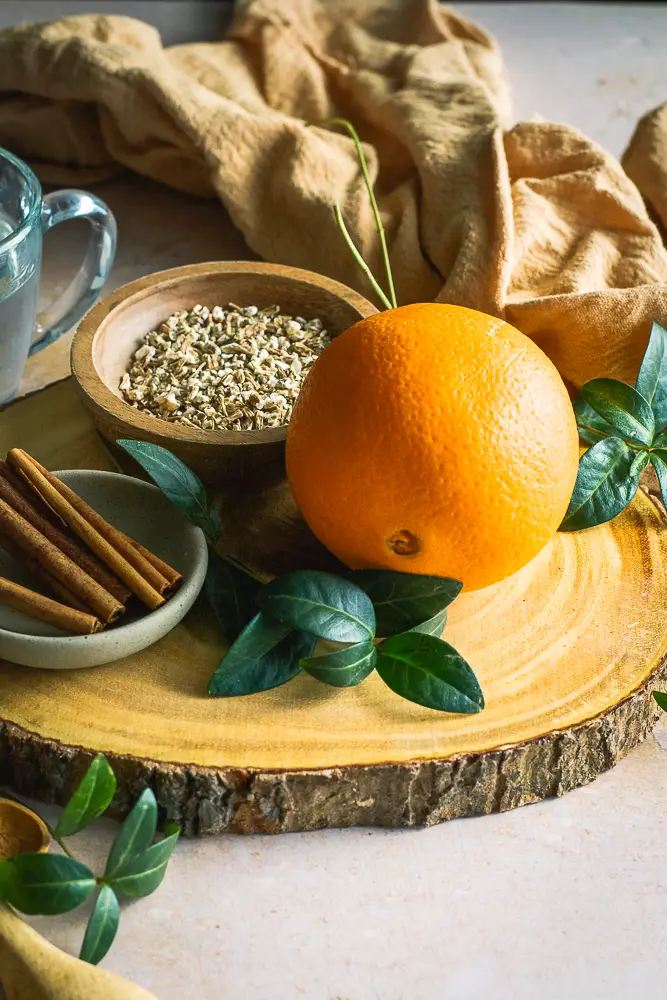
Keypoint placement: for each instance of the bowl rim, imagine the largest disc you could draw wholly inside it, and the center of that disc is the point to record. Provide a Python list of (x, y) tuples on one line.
[(130, 628), (90, 382)]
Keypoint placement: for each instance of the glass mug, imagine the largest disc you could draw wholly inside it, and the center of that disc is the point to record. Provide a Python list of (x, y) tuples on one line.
[(24, 216)]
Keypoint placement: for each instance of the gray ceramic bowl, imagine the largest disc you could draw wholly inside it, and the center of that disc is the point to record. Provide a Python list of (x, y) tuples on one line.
[(144, 513)]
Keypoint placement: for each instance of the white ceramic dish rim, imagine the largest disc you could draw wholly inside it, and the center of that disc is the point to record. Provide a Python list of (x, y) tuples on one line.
[(187, 594)]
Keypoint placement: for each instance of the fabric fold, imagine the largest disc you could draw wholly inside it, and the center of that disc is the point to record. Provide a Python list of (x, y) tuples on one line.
[(534, 223)]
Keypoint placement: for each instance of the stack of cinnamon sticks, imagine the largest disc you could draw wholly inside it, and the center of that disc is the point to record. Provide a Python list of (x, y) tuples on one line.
[(91, 569)]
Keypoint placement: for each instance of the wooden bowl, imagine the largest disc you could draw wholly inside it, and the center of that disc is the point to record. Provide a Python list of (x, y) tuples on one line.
[(110, 333), (21, 830)]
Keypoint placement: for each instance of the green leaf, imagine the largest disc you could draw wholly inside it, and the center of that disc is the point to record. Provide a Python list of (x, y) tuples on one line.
[(343, 667), (178, 484), (434, 626), (639, 463), (93, 795), (430, 672), (135, 835), (231, 593), (325, 605), (592, 427), (624, 408), (264, 656), (102, 927), (660, 440), (142, 874), (659, 463), (661, 698), (604, 486), (45, 883), (652, 378), (241, 670), (403, 600)]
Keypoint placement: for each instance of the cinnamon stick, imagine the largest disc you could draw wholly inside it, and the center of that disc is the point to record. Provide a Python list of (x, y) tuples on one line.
[(38, 606), (51, 582), (168, 572), (87, 527), (159, 574), (55, 562), (92, 566), (24, 489)]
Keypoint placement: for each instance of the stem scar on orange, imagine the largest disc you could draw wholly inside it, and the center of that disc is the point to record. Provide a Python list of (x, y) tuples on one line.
[(433, 439)]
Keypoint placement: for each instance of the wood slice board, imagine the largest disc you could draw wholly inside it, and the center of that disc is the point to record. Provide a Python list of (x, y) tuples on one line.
[(567, 652)]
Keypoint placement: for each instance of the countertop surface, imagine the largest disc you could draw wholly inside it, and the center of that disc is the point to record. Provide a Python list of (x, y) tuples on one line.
[(564, 900)]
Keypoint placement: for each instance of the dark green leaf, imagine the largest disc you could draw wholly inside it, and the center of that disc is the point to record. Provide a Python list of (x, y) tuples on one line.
[(232, 593), (45, 883), (135, 835), (171, 828), (604, 486), (660, 440), (430, 672), (142, 874), (639, 463), (622, 406), (264, 656), (326, 605), (178, 484), (242, 668), (343, 667), (93, 795), (102, 927), (659, 463), (652, 378), (434, 626), (661, 698), (403, 600), (592, 427)]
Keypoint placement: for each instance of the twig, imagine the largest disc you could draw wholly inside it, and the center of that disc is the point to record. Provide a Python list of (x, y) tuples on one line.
[(374, 205), (359, 259), (57, 839), (242, 567)]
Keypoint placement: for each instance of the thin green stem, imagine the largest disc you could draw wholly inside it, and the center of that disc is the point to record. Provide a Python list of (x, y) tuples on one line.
[(374, 205), (58, 840), (603, 436), (592, 430), (359, 259), (244, 569)]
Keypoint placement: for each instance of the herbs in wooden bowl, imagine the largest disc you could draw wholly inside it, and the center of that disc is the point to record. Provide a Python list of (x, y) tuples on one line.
[(227, 368), (121, 337)]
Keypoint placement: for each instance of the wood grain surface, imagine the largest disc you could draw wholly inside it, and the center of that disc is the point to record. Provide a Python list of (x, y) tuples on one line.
[(567, 652)]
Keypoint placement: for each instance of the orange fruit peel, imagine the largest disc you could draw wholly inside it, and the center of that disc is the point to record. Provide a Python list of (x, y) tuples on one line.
[(433, 439)]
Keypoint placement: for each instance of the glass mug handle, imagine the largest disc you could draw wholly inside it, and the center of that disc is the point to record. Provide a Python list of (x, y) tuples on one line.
[(79, 296)]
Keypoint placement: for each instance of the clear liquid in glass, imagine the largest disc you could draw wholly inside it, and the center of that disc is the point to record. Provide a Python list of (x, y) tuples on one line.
[(19, 285)]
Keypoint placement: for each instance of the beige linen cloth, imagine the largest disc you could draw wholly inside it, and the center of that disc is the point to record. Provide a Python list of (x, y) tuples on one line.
[(533, 222)]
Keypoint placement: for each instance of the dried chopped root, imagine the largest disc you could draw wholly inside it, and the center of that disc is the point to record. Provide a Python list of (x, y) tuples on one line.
[(224, 368)]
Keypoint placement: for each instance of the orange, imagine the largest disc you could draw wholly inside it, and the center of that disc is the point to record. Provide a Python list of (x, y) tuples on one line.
[(433, 439)]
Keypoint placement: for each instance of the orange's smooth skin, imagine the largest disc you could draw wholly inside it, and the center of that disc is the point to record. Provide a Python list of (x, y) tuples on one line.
[(433, 439)]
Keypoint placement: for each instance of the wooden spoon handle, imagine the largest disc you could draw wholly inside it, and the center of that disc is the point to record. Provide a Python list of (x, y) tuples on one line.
[(33, 969)]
